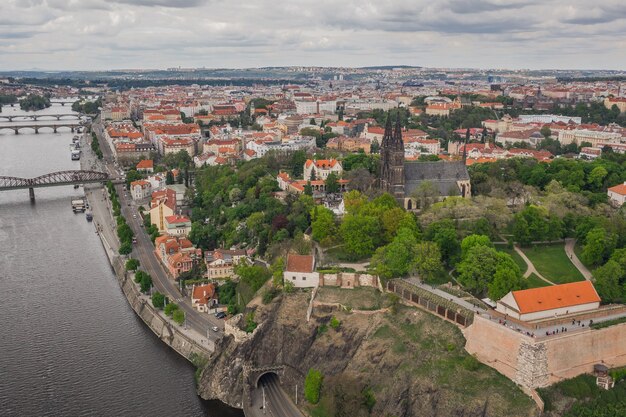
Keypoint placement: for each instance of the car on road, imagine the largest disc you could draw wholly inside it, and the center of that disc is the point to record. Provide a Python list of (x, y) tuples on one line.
[(215, 329), (220, 315), (134, 216)]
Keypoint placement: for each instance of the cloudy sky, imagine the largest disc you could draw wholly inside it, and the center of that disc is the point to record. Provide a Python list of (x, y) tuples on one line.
[(116, 34)]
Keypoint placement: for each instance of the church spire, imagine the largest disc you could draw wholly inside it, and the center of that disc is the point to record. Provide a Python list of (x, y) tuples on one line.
[(388, 135), (397, 134)]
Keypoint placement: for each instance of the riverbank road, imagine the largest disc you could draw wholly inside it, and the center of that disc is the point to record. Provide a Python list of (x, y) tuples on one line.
[(143, 250)]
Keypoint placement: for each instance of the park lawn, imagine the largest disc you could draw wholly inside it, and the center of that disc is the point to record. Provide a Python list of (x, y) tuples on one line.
[(534, 281), (518, 259), (552, 262)]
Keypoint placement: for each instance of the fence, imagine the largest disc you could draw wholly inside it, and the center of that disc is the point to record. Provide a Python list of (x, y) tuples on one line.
[(432, 302)]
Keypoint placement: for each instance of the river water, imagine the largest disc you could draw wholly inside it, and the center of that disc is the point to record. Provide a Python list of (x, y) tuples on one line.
[(70, 344)]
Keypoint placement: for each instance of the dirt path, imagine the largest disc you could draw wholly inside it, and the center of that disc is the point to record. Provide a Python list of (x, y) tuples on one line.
[(531, 268), (569, 251)]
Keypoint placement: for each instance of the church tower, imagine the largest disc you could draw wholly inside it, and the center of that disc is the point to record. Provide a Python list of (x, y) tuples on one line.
[(392, 160)]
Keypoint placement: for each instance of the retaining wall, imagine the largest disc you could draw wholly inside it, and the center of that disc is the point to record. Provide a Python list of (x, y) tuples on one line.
[(536, 363)]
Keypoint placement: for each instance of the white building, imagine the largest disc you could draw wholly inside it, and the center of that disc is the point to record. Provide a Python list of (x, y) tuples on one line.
[(300, 271), (548, 118), (595, 137), (321, 168), (140, 189), (157, 181), (177, 225), (551, 301), (617, 194)]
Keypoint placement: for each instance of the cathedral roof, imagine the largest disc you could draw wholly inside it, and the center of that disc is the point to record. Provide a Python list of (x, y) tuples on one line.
[(443, 175)]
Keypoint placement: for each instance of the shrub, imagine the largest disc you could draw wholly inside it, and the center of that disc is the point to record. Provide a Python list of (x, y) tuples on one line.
[(158, 300), (334, 323), (170, 309), (132, 264), (289, 287), (471, 363), (321, 329), (179, 316), (269, 294), (313, 386), (250, 323), (369, 401)]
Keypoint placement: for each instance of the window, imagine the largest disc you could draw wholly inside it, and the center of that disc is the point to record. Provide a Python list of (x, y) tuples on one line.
[(303, 278), (293, 278)]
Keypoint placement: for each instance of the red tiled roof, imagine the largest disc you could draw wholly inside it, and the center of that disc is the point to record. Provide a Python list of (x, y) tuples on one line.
[(555, 296), (203, 293), (145, 164), (619, 189), (299, 263)]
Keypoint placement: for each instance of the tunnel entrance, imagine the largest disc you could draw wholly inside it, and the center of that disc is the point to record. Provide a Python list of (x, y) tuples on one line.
[(267, 377)]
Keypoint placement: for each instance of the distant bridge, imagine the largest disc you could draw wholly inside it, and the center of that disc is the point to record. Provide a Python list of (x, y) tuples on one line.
[(14, 126), (35, 117), (52, 180)]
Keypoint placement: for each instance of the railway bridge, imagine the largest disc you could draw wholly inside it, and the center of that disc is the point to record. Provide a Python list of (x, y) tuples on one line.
[(53, 179)]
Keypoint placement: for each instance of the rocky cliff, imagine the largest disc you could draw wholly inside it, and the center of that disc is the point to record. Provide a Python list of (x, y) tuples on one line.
[(405, 364)]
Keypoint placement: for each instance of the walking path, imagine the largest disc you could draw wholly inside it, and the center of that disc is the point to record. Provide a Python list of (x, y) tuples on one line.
[(569, 250), (531, 268)]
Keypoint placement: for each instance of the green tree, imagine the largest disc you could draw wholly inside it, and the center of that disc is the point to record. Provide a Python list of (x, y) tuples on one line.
[(169, 178), (360, 234), (313, 386), (132, 264), (443, 232), (596, 178), (607, 281), (158, 300), (599, 245), (426, 194), (170, 308), (323, 223), (482, 265), (298, 160), (126, 248), (308, 189), (332, 183), (427, 260), (146, 283), (546, 132), (521, 234), (474, 240), (504, 280), (179, 316)]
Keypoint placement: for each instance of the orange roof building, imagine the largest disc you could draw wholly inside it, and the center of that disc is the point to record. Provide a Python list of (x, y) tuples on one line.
[(552, 301)]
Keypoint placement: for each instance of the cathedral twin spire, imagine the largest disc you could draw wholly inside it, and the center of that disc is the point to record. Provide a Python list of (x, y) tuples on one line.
[(392, 138)]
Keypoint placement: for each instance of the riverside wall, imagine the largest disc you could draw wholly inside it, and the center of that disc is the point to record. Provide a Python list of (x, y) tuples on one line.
[(535, 363)]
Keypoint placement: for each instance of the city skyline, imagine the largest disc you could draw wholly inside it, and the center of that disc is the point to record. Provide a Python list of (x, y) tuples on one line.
[(99, 35)]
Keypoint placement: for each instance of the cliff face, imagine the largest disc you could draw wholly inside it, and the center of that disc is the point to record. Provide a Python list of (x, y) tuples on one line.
[(412, 363)]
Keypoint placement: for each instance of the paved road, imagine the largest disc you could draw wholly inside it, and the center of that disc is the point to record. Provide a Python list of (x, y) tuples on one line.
[(144, 251), (277, 402), (569, 251)]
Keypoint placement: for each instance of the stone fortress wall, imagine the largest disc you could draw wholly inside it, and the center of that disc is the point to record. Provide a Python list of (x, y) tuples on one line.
[(539, 362)]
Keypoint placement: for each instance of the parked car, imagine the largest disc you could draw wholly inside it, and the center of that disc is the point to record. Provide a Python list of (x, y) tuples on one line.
[(215, 329), (220, 315)]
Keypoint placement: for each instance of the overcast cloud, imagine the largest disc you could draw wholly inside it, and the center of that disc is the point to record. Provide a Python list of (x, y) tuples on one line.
[(117, 34)]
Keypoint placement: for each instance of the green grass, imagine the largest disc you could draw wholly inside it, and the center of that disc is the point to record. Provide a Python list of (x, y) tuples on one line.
[(535, 282), (518, 259), (553, 263), (608, 323)]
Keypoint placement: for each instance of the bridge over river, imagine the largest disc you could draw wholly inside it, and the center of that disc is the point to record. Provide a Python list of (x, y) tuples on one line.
[(17, 126), (54, 179), (35, 117)]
